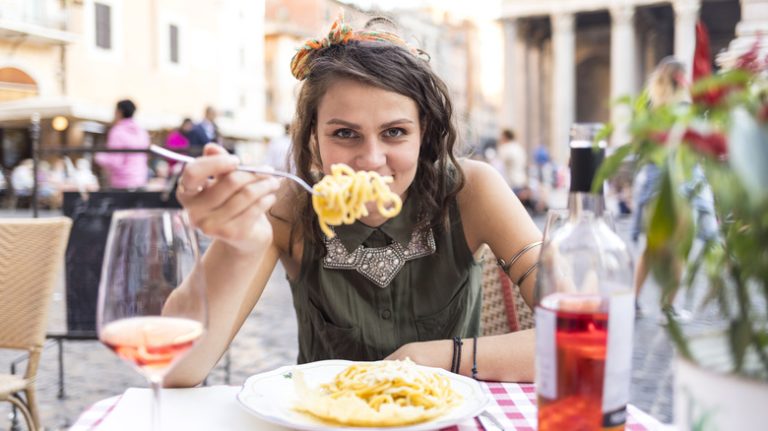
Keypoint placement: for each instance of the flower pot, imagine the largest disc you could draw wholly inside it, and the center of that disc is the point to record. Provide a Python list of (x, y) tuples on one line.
[(709, 397)]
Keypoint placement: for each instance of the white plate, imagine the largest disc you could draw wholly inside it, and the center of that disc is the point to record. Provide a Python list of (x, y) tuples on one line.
[(271, 397)]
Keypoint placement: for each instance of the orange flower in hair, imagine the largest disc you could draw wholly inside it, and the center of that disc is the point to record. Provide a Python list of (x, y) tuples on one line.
[(340, 34)]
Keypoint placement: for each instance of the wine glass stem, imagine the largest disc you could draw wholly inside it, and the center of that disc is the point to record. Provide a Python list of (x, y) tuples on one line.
[(156, 384)]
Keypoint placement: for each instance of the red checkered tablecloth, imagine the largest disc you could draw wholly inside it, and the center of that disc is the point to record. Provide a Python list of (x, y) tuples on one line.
[(513, 406)]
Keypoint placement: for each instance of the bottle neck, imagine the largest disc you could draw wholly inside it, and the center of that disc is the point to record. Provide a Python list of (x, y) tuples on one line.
[(583, 203)]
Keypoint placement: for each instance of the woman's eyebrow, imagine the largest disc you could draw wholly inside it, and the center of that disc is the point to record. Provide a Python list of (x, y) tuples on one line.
[(396, 122), (388, 124), (343, 123)]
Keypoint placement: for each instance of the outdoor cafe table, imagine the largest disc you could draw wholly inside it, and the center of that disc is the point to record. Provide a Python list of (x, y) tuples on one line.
[(216, 408)]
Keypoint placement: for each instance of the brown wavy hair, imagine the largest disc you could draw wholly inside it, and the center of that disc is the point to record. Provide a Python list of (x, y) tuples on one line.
[(393, 68)]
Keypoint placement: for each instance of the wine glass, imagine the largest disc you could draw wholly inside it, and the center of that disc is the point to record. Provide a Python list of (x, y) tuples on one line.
[(152, 306)]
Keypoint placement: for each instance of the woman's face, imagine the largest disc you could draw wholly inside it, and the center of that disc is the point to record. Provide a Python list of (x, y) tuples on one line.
[(369, 129)]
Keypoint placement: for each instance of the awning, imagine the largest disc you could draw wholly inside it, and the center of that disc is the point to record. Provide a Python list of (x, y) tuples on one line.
[(21, 111), (34, 33)]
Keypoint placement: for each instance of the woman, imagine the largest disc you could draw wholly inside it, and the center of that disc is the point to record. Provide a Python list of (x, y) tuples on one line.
[(382, 288), (668, 86)]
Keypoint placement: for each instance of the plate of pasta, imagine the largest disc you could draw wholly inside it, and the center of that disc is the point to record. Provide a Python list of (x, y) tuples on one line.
[(365, 396)]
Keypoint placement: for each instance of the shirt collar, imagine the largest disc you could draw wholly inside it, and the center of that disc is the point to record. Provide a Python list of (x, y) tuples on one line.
[(398, 228)]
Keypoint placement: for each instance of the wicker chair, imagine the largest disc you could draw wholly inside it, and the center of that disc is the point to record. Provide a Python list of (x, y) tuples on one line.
[(31, 256), (504, 309)]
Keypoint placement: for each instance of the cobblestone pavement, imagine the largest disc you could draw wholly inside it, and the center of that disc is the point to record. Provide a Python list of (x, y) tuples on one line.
[(268, 340)]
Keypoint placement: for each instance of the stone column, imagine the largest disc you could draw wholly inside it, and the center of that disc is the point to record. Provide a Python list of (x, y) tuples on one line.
[(515, 100), (563, 85), (521, 123), (623, 47), (754, 20), (533, 92), (686, 14), (509, 115)]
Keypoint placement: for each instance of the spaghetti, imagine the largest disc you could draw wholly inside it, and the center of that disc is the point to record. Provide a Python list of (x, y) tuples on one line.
[(342, 196), (384, 393)]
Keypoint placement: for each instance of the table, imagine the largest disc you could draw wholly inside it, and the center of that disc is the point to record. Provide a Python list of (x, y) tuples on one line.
[(216, 407)]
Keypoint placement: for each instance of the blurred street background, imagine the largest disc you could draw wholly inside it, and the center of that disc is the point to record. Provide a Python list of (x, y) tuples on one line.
[(520, 74)]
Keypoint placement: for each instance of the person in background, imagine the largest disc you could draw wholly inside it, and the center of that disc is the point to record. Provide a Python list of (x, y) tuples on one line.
[(668, 85), (177, 140), (162, 172), (125, 170), (546, 175), (83, 175), (514, 163), (542, 159), (204, 132), (277, 151)]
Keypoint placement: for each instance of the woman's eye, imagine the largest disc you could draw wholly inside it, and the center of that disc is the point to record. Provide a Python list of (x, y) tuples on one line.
[(394, 132), (345, 133)]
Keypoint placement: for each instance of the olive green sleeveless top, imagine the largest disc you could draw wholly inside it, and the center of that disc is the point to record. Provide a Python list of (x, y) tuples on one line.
[(376, 289)]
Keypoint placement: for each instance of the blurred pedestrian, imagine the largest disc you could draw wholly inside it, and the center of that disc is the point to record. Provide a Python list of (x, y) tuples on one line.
[(178, 139), (544, 176), (514, 160), (204, 132), (668, 86), (125, 170), (542, 159), (514, 165), (84, 177), (278, 149)]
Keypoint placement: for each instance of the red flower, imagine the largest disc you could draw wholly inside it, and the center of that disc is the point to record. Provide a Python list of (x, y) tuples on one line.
[(749, 61), (762, 113), (658, 137), (712, 96), (713, 144)]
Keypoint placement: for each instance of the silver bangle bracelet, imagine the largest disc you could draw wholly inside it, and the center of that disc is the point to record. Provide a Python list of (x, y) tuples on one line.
[(506, 266)]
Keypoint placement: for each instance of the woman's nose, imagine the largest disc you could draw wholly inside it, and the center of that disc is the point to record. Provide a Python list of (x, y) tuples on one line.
[(372, 156)]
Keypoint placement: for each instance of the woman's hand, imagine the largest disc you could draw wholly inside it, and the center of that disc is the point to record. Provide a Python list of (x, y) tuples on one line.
[(436, 353), (225, 203)]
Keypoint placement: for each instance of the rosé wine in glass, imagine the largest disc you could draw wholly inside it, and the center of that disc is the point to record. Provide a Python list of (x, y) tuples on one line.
[(152, 306)]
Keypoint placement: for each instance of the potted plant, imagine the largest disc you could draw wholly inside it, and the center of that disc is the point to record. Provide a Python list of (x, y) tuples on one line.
[(721, 378)]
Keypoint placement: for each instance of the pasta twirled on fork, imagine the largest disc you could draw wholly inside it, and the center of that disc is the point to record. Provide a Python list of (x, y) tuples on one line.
[(342, 196)]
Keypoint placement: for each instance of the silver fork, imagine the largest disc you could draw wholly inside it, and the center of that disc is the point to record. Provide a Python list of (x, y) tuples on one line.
[(489, 422), (183, 158)]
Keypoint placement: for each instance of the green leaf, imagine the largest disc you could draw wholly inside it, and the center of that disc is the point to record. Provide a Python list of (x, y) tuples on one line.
[(610, 166), (663, 218), (676, 334), (604, 133), (739, 338), (762, 339)]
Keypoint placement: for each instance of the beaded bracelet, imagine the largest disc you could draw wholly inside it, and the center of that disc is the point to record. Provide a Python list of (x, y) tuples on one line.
[(456, 361), (474, 357)]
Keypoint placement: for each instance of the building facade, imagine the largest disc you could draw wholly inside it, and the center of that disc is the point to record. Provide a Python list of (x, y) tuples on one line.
[(447, 39), (77, 58), (566, 60)]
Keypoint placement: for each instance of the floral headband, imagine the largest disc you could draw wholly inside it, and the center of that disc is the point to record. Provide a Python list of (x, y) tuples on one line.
[(340, 34)]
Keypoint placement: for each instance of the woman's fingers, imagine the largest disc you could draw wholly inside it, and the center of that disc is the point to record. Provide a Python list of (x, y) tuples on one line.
[(224, 202), (247, 226), (239, 197), (197, 174)]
